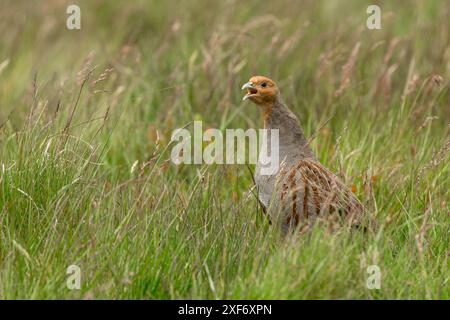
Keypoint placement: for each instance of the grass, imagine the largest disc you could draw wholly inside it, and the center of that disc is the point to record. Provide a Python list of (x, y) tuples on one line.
[(85, 124)]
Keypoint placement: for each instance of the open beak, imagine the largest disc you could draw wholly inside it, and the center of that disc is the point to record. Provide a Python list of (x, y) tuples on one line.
[(251, 90)]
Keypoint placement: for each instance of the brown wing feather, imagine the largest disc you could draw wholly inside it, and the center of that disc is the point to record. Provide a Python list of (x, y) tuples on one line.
[(309, 190)]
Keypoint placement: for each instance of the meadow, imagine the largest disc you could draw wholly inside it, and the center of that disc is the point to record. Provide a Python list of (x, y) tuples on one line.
[(86, 118)]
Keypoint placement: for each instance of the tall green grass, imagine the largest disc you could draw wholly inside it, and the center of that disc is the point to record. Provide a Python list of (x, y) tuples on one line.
[(85, 171)]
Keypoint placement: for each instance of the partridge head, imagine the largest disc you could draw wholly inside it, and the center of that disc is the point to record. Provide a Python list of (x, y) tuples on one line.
[(261, 90)]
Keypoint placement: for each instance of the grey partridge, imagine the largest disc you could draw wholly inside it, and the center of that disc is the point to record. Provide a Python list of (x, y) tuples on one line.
[(301, 191)]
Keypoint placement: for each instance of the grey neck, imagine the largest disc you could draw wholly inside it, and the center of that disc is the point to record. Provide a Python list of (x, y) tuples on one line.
[(293, 144)]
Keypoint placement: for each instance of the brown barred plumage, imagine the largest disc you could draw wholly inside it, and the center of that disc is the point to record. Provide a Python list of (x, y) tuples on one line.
[(314, 192)]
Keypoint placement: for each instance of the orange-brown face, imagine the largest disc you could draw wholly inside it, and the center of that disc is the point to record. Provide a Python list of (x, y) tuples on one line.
[(261, 90)]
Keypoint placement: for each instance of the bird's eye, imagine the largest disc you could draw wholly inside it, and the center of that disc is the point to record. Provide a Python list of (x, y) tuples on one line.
[(263, 84)]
